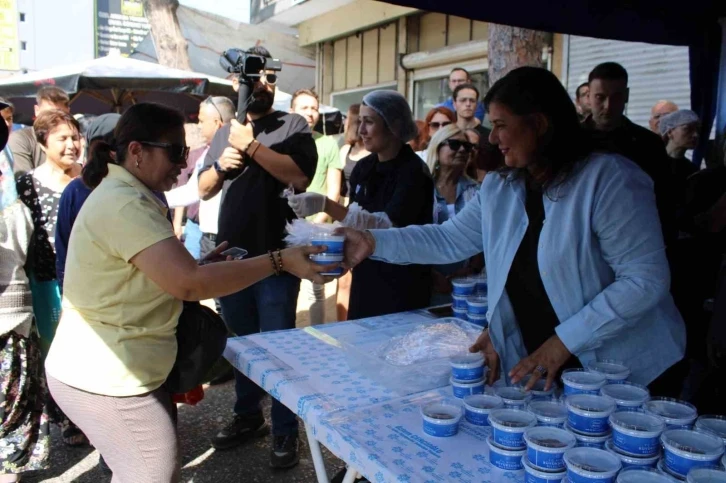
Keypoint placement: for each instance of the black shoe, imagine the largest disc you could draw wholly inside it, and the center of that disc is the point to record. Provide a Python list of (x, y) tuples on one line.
[(284, 452), (240, 430)]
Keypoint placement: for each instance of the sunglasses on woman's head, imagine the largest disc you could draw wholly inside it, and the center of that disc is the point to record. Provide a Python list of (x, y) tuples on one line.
[(437, 125), (178, 153), (455, 145)]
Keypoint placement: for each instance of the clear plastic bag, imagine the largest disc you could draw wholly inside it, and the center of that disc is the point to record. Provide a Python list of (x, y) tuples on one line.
[(426, 343)]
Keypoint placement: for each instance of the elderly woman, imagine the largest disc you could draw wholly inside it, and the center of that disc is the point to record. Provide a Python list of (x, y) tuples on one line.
[(576, 260), (58, 135), (126, 277), (447, 158), (393, 185), (680, 133), (24, 436)]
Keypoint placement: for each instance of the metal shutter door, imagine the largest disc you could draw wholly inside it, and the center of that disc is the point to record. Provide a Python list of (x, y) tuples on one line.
[(655, 71)]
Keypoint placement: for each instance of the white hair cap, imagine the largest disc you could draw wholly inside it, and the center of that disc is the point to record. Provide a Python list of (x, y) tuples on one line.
[(395, 111), (677, 118)]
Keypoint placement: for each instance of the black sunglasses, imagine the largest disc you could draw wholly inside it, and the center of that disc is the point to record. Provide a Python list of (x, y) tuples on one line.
[(210, 100), (437, 125), (178, 153), (455, 145)]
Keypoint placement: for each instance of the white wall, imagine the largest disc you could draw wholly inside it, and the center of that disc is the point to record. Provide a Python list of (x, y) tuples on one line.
[(57, 32)]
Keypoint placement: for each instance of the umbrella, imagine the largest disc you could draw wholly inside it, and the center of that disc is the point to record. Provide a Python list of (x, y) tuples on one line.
[(114, 83)]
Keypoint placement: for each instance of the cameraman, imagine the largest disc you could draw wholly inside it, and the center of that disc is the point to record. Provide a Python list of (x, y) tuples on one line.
[(252, 164)]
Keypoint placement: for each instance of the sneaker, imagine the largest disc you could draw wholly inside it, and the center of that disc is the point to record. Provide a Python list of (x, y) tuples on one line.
[(240, 430), (284, 452)]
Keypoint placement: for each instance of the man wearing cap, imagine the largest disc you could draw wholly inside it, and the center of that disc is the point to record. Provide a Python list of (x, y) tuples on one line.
[(252, 164)]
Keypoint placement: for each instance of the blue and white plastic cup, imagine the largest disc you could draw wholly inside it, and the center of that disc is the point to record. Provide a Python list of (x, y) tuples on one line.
[(632, 461), (509, 425), (538, 390), (458, 302), (711, 423), (591, 465), (636, 433), (505, 458), (676, 414), (589, 413), (462, 389), (334, 243), (588, 440), (463, 287), (546, 447), (478, 406), (467, 367), (481, 286), (514, 397), (627, 395), (706, 475), (580, 381), (477, 304), (460, 314), (325, 259), (685, 449), (548, 413), (533, 475), (642, 475), (614, 371), (476, 319), (441, 419)]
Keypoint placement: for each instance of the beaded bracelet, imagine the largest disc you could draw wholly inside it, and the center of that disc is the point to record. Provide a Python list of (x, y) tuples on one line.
[(279, 260), (274, 264)]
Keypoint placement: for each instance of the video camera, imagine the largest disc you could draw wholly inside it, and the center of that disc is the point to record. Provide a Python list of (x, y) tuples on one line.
[(248, 68)]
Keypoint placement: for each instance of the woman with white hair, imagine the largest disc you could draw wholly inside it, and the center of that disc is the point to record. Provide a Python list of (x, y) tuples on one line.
[(392, 184), (680, 133), (447, 157)]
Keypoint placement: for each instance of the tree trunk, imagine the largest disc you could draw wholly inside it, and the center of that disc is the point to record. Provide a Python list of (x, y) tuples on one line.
[(171, 46), (512, 47)]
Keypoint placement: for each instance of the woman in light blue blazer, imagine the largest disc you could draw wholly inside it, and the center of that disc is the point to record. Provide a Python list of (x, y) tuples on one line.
[(575, 257)]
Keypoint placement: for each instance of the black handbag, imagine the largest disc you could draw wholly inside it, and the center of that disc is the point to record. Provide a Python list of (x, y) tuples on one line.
[(201, 337)]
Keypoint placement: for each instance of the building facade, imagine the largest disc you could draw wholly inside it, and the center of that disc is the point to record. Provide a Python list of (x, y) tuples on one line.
[(364, 45)]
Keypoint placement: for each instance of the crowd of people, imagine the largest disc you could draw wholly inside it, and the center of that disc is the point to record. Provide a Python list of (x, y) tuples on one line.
[(600, 238)]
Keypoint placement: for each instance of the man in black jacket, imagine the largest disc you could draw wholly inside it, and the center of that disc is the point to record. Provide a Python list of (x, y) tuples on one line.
[(614, 132)]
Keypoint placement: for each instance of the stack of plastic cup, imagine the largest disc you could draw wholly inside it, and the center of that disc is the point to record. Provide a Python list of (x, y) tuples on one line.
[(462, 288), (467, 374), (636, 438), (506, 443), (333, 254), (476, 310)]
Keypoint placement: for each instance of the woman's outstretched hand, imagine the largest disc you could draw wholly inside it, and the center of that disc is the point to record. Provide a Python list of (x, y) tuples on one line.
[(546, 361), (359, 245), (296, 261), (484, 345)]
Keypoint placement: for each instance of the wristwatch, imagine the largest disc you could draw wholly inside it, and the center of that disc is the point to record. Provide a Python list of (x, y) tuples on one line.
[(218, 167)]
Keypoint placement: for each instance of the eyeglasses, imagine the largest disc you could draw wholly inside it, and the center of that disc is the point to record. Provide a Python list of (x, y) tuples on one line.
[(210, 100), (178, 153), (455, 145), (437, 125)]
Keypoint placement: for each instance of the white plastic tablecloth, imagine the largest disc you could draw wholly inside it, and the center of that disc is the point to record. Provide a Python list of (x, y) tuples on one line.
[(360, 421)]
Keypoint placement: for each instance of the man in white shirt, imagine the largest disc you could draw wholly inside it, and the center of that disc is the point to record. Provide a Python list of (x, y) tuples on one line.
[(201, 227)]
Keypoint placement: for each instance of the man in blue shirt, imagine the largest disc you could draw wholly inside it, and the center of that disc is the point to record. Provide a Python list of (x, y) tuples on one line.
[(460, 76)]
